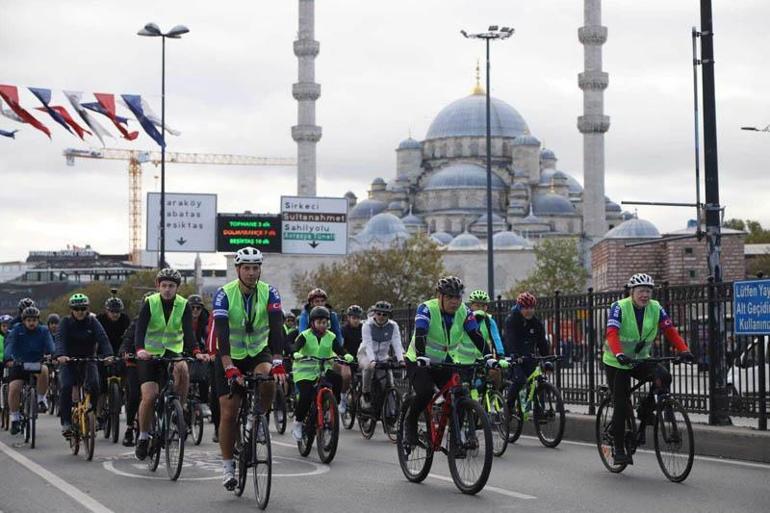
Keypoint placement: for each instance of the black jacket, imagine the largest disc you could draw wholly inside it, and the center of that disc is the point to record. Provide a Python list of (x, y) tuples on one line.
[(522, 336)]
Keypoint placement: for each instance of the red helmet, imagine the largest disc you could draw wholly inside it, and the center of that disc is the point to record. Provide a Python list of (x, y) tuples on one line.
[(526, 300)]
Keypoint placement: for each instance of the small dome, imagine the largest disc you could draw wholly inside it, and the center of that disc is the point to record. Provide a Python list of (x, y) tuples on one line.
[(378, 181), (441, 238), (526, 140), (547, 154), (350, 194), (611, 206), (573, 185), (467, 117), (462, 175), (553, 204), (395, 186), (496, 219), (382, 229), (409, 144), (634, 228), (412, 220), (465, 241), (366, 209), (507, 240), (395, 205)]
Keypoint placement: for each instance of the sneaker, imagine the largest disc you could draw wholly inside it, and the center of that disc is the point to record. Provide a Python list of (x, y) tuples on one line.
[(141, 449), (343, 405), (42, 405), (296, 431), (128, 438), (66, 430), (228, 479), (215, 438), (15, 427), (622, 458), (205, 410)]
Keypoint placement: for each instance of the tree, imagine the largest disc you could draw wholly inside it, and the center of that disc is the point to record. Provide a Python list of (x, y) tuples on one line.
[(405, 273), (756, 234), (559, 267)]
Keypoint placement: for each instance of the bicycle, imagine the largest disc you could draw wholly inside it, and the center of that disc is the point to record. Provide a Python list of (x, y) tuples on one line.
[(28, 401), (453, 406), (495, 407), (53, 390), (5, 411), (83, 414), (672, 430), (352, 396), (385, 403), (253, 448), (540, 401), (322, 421), (195, 412), (283, 404), (111, 406)]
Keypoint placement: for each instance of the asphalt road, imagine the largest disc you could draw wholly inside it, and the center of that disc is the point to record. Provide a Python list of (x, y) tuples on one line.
[(364, 476)]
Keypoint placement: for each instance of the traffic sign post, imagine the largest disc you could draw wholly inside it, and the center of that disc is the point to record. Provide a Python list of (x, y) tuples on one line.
[(190, 222), (314, 226), (262, 231)]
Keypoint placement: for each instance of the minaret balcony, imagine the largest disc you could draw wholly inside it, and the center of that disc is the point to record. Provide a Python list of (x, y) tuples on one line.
[(592, 35)]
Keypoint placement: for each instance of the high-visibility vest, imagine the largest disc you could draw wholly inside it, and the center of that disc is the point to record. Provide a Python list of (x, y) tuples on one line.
[(164, 336), (629, 333), (242, 343), (439, 344), (310, 370)]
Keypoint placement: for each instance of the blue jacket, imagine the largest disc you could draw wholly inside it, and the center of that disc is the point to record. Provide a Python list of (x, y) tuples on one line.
[(22, 345), (335, 324), (82, 338)]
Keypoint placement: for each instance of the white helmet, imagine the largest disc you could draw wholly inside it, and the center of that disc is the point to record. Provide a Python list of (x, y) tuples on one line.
[(640, 280), (248, 255)]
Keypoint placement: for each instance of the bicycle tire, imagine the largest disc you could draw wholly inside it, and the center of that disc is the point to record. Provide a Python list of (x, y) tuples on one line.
[(105, 415), (173, 442), (197, 423), (604, 440), (665, 438), (367, 425), (497, 413), (279, 410), (546, 394), (89, 435), (515, 421), (155, 445), (116, 403), (262, 461), (32, 420), (53, 396), (415, 461), (391, 408), (242, 460), (349, 417), (461, 445), (328, 435), (4, 413)]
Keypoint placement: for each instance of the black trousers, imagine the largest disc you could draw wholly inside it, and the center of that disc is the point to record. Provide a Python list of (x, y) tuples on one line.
[(619, 381), (213, 397), (423, 379), (306, 395)]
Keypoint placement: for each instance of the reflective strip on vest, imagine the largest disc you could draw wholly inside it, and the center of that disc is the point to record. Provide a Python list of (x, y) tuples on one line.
[(244, 344), (629, 332), (162, 336), (310, 370)]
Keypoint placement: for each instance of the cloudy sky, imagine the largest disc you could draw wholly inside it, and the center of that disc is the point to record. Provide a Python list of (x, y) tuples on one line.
[(386, 69)]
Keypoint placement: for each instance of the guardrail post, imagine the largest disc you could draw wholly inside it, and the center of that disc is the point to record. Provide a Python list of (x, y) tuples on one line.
[(591, 353), (762, 384), (557, 334)]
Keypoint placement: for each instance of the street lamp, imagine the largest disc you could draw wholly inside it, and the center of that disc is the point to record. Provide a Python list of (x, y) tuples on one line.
[(152, 30), (494, 33)]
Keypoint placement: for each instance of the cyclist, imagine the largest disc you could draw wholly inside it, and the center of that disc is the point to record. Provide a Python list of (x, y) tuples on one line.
[(199, 371), (53, 323), (80, 336), (524, 337), (114, 321), (289, 324), (5, 326), (351, 330), (319, 342), (248, 320), (163, 329), (479, 304), (379, 335), (445, 331), (23, 303), (633, 325), (27, 342)]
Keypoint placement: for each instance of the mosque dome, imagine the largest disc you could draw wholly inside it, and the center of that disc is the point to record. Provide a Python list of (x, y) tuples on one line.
[(508, 240), (467, 117), (547, 154), (441, 238), (395, 205), (412, 220), (462, 175), (611, 206), (378, 181), (366, 209), (382, 228), (573, 185), (409, 144), (553, 204), (465, 241), (526, 140), (634, 228)]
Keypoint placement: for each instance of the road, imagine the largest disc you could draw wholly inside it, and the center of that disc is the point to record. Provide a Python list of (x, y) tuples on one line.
[(365, 476)]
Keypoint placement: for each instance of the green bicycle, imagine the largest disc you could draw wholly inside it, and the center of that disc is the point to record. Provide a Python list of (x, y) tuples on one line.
[(494, 405)]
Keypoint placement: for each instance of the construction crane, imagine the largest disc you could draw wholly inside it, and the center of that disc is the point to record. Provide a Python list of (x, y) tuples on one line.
[(135, 160)]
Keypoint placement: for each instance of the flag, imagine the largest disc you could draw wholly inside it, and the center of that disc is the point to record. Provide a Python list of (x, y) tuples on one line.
[(134, 104), (97, 107), (44, 95), (88, 119), (8, 113), (149, 114), (107, 101), (11, 96), (11, 134), (61, 111)]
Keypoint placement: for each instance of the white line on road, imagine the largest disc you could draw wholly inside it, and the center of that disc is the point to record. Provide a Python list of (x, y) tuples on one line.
[(283, 444), (83, 499), (494, 489)]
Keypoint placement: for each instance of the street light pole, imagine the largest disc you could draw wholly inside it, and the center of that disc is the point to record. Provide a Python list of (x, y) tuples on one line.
[(492, 33), (152, 30)]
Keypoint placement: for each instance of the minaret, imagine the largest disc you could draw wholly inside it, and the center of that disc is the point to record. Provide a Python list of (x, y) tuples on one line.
[(306, 92), (593, 123)]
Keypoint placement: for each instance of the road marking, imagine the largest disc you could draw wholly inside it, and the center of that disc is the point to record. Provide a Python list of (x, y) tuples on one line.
[(501, 491), (84, 500), (739, 463), (283, 444)]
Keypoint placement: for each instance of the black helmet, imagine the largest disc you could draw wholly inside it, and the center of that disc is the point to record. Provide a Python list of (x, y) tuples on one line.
[(316, 293), (114, 304), (30, 311), (450, 286), (53, 318), (355, 310), (289, 315), (320, 312), (169, 274), (384, 307), (24, 303), (195, 300)]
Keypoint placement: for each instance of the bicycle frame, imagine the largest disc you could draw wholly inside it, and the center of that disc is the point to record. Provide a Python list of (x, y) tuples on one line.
[(448, 392)]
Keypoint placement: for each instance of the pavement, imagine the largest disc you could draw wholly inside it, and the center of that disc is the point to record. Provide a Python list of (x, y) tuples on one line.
[(365, 476)]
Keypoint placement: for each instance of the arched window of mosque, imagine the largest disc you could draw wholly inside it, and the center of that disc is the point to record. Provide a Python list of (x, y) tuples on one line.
[(506, 149), (443, 150), (458, 148), (447, 225)]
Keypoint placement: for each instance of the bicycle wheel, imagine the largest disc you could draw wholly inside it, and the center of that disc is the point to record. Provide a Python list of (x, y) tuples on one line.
[(470, 449), (241, 453), (548, 409), (415, 461), (605, 441), (515, 421), (674, 442), (367, 423), (279, 410), (116, 403), (75, 436), (4, 411), (262, 461), (156, 440), (349, 417), (308, 435), (105, 415), (391, 407), (89, 434), (328, 434), (497, 413), (197, 423), (175, 432), (53, 396), (31, 419)]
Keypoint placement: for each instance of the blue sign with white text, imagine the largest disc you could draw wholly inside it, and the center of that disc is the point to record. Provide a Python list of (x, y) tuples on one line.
[(751, 307)]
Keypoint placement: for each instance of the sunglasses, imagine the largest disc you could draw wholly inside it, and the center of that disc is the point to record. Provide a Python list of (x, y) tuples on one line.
[(197, 307), (381, 314), (79, 308)]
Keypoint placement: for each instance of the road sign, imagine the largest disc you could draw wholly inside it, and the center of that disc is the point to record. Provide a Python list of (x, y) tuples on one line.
[(314, 226), (751, 307), (190, 222), (262, 231)]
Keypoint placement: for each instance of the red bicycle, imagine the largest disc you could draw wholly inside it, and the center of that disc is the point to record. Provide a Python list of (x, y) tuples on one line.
[(468, 444)]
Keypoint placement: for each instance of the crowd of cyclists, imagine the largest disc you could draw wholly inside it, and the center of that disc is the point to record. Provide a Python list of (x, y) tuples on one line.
[(248, 333)]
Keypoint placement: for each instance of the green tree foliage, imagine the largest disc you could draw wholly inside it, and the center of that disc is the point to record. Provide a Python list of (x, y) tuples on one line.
[(405, 273), (756, 234), (559, 267)]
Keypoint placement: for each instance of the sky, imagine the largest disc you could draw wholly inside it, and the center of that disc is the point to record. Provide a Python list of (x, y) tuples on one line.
[(386, 69)]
